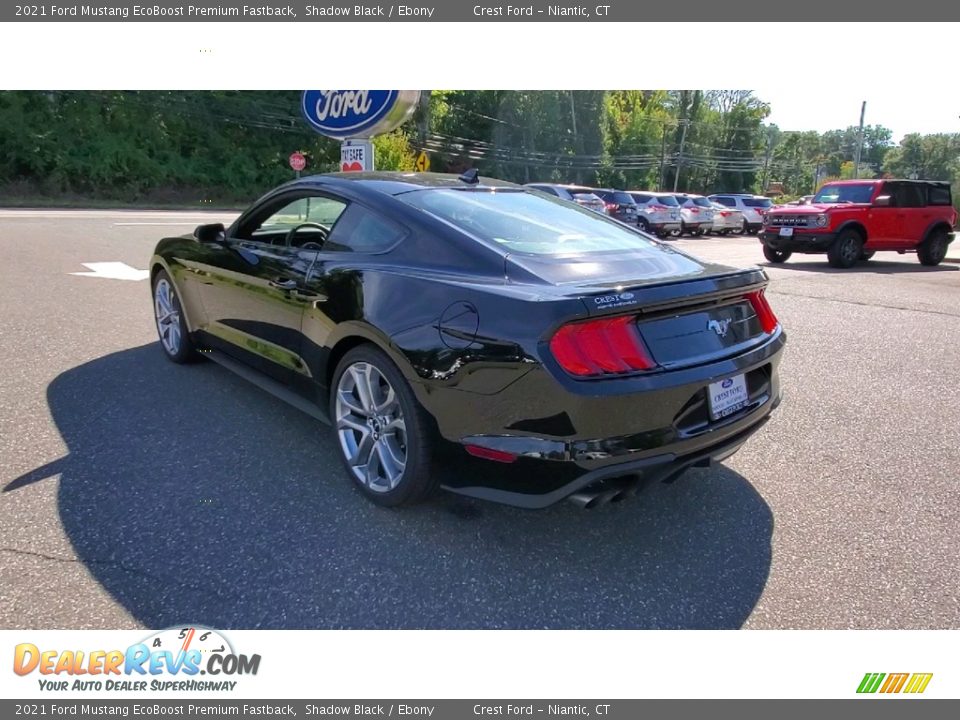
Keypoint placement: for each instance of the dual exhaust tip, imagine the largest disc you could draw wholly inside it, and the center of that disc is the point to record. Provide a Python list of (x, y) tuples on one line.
[(592, 499)]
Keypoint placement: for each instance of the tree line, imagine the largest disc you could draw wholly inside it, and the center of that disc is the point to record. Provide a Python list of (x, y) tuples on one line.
[(229, 146)]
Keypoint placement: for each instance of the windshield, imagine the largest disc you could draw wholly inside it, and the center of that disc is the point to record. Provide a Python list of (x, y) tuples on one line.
[(527, 223), (859, 193), (758, 202)]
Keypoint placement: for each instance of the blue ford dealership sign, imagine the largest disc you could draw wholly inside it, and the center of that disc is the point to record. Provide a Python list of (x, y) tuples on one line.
[(346, 114)]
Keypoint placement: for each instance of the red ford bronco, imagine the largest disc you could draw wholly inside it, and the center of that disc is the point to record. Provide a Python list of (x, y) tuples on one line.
[(850, 220)]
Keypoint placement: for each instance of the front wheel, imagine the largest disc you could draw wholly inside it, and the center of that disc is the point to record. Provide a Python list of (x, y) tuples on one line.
[(845, 250), (866, 255), (776, 256), (384, 436), (933, 250), (171, 323)]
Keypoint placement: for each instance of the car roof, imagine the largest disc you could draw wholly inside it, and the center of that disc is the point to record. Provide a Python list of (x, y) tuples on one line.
[(876, 181), (396, 182), (578, 188)]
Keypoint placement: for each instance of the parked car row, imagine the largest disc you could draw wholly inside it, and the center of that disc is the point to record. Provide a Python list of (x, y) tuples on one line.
[(665, 213)]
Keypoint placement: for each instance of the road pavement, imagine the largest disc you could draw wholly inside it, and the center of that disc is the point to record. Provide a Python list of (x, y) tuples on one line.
[(138, 493)]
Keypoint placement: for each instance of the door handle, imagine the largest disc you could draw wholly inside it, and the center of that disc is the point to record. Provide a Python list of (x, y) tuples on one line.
[(282, 284)]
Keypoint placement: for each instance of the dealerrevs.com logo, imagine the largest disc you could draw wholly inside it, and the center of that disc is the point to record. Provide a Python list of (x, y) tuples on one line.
[(172, 659)]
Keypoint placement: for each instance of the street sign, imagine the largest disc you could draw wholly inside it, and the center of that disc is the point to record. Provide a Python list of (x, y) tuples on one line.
[(344, 114), (423, 162), (356, 155), (297, 161)]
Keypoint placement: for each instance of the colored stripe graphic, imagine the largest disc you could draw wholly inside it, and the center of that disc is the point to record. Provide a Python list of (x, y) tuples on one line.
[(894, 682), (918, 683), (870, 682)]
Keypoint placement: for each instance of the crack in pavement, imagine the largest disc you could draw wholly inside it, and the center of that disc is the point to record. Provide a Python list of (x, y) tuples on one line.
[(863, 304), (113, 563)]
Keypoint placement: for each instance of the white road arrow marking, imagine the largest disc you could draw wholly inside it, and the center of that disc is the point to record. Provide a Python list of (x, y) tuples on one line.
[(113, 271)]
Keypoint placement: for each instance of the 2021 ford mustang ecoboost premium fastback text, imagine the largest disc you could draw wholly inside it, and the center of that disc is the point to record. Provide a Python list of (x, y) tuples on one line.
[(416, 310)]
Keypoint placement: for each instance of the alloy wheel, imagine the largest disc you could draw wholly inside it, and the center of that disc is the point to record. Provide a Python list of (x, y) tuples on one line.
[(167, 310), (371, 427)]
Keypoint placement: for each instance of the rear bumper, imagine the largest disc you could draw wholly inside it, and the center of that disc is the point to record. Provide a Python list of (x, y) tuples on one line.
[(567, 441), (801, 242)]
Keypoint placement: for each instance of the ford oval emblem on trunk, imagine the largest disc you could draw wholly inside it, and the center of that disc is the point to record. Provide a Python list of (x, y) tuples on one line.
[(343, 114)]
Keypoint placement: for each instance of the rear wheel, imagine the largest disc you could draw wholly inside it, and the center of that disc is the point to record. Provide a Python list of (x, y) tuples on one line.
[(933, 250), (644, 225), (171, 324), (385, 438), (845, 250), (776, 256)]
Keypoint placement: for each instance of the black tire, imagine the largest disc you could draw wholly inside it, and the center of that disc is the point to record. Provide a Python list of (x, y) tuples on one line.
[(776, 256), (417, 479), (644, 225), (845, 251), (866, 255), (933, 250), (185, 351), (744, 228)]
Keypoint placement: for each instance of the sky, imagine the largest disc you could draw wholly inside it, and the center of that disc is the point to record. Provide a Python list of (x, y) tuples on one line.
[(902, 108)]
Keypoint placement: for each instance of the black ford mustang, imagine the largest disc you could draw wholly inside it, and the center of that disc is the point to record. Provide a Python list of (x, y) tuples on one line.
[(416, 310)]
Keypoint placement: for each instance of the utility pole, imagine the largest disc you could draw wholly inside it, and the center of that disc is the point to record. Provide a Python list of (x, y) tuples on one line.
[(856, 161), (663, 157), (766, 160), (573, 121), (683, 138)]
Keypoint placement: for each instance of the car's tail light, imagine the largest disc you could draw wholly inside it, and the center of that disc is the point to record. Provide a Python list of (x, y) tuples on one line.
[(599, 347), (660, 207), (768, 321), (724, 213)]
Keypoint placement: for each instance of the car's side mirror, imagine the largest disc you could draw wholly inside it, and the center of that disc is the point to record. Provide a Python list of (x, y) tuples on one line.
[(882, 201), (212, 233)]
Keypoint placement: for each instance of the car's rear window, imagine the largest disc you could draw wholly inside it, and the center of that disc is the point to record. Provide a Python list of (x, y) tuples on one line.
[(757, 202), (640, 197), (526, 223), (702, 202), (619, 197), (668, 200)]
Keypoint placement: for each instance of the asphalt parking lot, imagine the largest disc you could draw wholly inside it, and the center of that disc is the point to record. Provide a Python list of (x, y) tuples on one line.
[(134, 492)]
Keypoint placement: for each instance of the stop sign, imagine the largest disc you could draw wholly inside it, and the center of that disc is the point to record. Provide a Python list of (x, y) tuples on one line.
[(297, 161)]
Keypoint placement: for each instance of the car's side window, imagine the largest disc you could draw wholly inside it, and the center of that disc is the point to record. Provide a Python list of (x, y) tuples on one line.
[(723, 200), (907, 195), (939, 195), (275, 221), (362, 230)]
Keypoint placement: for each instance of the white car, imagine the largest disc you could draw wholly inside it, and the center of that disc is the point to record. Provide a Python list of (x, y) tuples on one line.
[(657, 213), (726, 220), (696, 213), (752, 206)]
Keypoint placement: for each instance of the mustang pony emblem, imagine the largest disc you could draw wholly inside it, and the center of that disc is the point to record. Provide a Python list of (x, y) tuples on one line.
[(719, 326)]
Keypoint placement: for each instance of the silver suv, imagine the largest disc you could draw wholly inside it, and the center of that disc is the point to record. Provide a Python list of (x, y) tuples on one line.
[(582, 196), (657, 213), (752, 206)]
